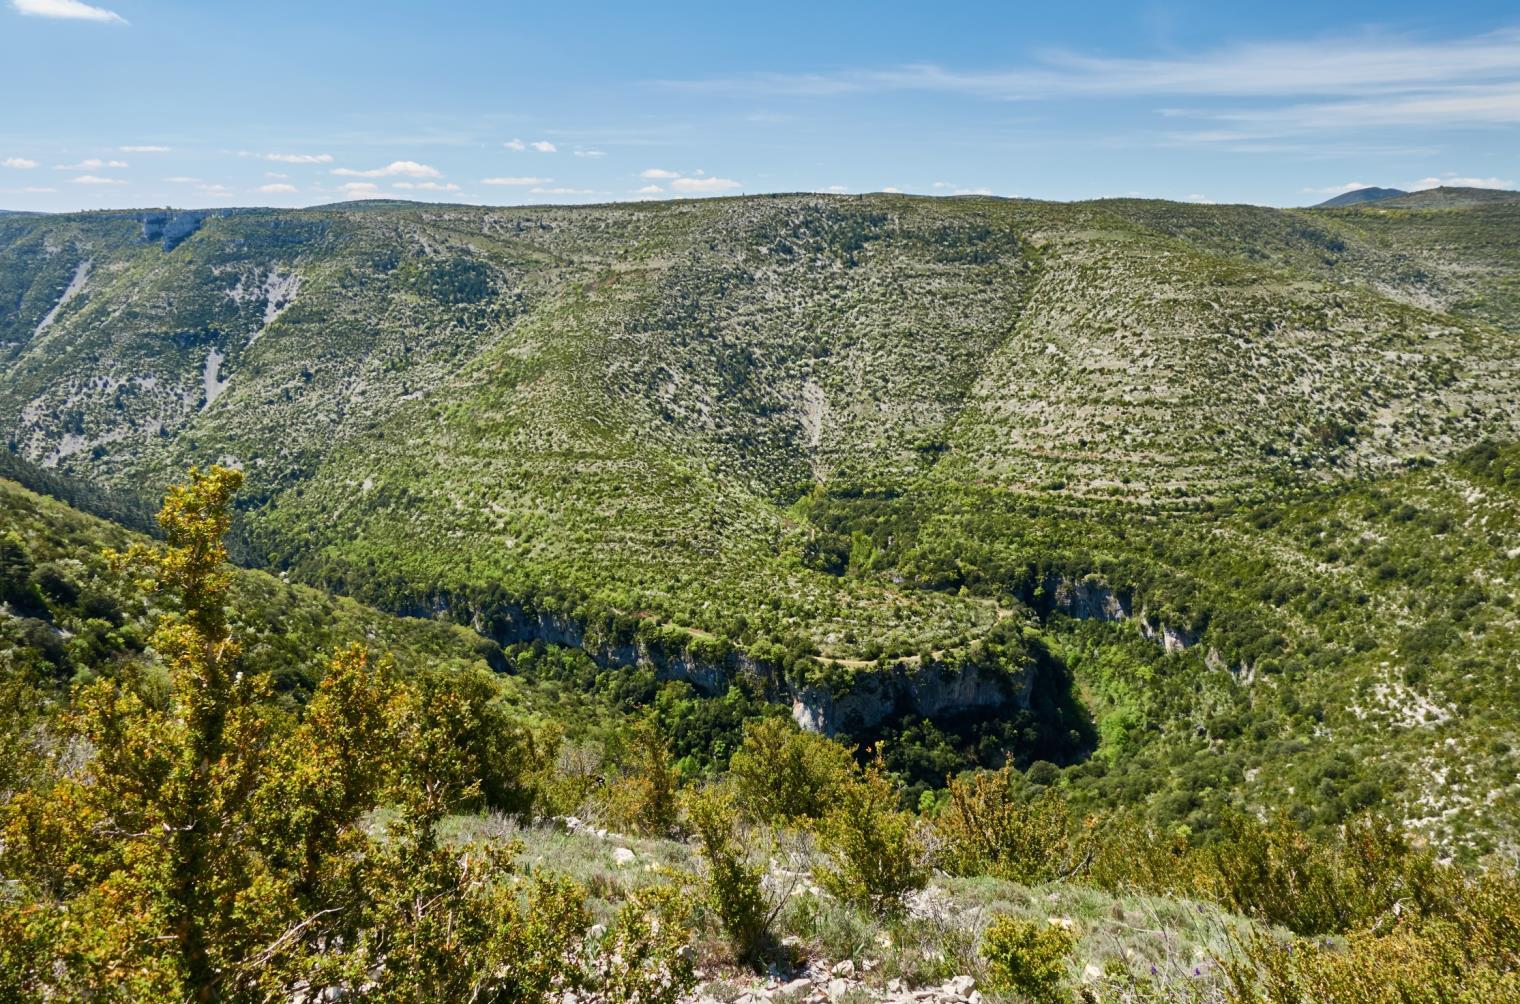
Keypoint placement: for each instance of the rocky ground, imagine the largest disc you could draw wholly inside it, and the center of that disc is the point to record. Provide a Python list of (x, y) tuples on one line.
[(841, 981)]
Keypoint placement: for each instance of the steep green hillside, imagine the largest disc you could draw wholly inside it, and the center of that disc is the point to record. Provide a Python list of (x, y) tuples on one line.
[(903, 458), (66, 615)]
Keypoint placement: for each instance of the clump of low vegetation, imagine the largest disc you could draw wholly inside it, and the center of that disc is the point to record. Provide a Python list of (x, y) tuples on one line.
[(1028, 959), (877, 854), (205, 846)]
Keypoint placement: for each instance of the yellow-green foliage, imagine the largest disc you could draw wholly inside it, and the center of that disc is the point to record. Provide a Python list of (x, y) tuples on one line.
[(1276, 872), (1028, 958), (876, 852), (985, 828), (732, 883), (785, 775), (1404, 967), (644, 798), (211, 849), (1437, 937), (646, 958)]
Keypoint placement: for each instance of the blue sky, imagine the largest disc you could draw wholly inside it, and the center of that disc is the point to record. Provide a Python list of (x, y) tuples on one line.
[(147, 102)]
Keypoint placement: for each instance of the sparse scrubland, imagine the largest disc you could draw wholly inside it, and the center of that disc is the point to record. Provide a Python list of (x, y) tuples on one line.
[(785, 597)]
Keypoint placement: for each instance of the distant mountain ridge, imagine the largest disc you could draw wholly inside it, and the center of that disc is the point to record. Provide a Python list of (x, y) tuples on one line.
[(1447, 198), (1427, 198), (1359, 195)]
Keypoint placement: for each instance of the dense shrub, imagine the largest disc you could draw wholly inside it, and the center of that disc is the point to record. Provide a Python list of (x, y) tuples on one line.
[(733, 883), (1405, 967), (1028, 958), (784, 775), (877, 852), (990, 824), (644, 798), (1275, 872), (505, 755), (214, 848)]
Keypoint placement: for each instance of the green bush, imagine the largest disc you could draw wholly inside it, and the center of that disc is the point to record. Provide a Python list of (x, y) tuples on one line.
[(1277, 873), (646, 957), (644, 798), (985, 827), (877, 852), (1027, 958), (732, 885), (784, 775), (505, 755), (1405, 967)]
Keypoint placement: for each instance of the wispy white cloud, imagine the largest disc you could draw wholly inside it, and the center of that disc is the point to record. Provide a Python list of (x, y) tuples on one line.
[(1202, 200), (278, 188), (836, 189), (892, 191), (401, 168), (1495, 104), (275, 174), (951, 188), (1370, 80), (427, 186), (696, 183), (539, 145), (68, 10), (91, 164), (359, 188), (298, 158), (565, 191), (38, 190), (182, 179), (704, 185), (649, 190), (517, 181), (148, 148), (20, 163), (590, 153), (95, 179), (1372, 64), (1350, 186), (1457, 181)]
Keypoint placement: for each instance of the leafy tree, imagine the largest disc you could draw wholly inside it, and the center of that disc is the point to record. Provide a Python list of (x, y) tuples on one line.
[(985, 827), (786, 775), (733, 884), (877, 852)]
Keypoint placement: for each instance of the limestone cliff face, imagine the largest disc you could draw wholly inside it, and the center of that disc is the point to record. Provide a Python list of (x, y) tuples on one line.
[(513, 624), (1091, 598), (170, 228), (1088, 599), (935, 691)]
